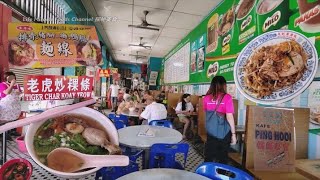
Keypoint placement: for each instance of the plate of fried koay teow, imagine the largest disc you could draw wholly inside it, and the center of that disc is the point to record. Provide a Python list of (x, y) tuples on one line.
[(275, 67)]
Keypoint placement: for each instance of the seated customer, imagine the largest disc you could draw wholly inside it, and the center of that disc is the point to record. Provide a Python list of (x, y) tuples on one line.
[(125, 104), (146, 95), (161, 97), (136, 96), (183, 110), (153, 111)]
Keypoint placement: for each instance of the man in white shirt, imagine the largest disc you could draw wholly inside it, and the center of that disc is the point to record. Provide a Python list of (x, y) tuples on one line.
[(114, 92), (153, 111)]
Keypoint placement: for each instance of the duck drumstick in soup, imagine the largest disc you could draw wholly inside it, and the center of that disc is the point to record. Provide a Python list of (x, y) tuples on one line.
[(78, 132)]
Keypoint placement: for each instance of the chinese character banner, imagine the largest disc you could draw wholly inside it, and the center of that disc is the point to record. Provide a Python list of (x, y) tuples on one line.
[(104, 72), (34, 45), (49, 87)]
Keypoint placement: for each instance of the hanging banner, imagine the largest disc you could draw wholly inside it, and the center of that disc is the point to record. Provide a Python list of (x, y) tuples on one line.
[(49, 87), (274, 141), (104, 72), (113, 70), (34, 45), (107, 72)]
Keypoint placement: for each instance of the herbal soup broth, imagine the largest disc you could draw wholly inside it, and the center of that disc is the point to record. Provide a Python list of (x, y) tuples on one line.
[(66, 131)]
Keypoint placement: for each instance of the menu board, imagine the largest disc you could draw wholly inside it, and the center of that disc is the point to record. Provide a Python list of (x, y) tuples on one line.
[(33, 45), (274, 140), (176, 67)]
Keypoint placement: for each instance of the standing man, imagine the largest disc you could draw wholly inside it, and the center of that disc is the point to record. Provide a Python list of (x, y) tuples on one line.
[(114, 92)]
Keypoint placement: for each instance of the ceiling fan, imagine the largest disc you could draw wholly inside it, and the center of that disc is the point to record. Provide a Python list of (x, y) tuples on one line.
[(138, 56), (145, 24), (141, 44), (137, 61)]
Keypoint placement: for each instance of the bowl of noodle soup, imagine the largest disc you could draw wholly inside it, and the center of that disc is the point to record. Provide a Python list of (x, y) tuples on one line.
[(44, 136), (275, 67)]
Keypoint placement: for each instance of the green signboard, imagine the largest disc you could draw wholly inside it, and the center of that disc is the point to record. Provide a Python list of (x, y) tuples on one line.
[(216, 42)]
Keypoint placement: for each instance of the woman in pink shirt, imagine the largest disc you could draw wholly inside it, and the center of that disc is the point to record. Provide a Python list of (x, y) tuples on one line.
[(10, 108), (8, 85), (217, 149)]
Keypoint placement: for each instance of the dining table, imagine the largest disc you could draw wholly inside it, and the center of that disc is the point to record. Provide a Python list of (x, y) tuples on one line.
[(310, 168), (163, 174), (144, 136), (131, 113)]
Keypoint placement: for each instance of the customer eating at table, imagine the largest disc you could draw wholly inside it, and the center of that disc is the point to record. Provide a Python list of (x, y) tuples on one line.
[(161, 97), (184, 109), (218, 100), (136, 96), (146, 95), (153, 111), (125, 104)]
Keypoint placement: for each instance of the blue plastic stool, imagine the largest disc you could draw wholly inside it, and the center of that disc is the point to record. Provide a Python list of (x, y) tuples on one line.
[(163, 123), (210, 170), (112, 173), (111, 116), (122, 118), (119, 124), (163, 155)]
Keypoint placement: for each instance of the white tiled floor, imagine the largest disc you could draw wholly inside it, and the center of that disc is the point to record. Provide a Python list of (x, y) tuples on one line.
[(193, 161)]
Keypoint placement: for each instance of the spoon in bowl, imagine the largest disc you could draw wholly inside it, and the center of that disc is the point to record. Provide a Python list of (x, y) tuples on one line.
[(68, 160)]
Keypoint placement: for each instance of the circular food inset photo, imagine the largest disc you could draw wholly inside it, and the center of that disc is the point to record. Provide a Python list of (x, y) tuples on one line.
[(89, 53), (213, 69), (275, 67), (21, 53)]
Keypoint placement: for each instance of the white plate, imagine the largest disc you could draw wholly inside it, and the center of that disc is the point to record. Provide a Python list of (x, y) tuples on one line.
[(272, 38)]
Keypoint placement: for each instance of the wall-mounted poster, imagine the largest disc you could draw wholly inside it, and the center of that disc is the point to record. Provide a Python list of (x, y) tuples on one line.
[(193, 59), (152, 82), (274, 140), (212, 33), (226, 27), (201, 52), (314, 103), (34, 45), (270, 74), (153, 75), (246, 20), (272, 15), (306, 20)]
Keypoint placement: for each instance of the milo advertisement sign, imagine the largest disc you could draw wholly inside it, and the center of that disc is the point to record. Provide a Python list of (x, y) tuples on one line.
[(272, 15), (309, 19), (226, 29), (306, 20), (246, 20)]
